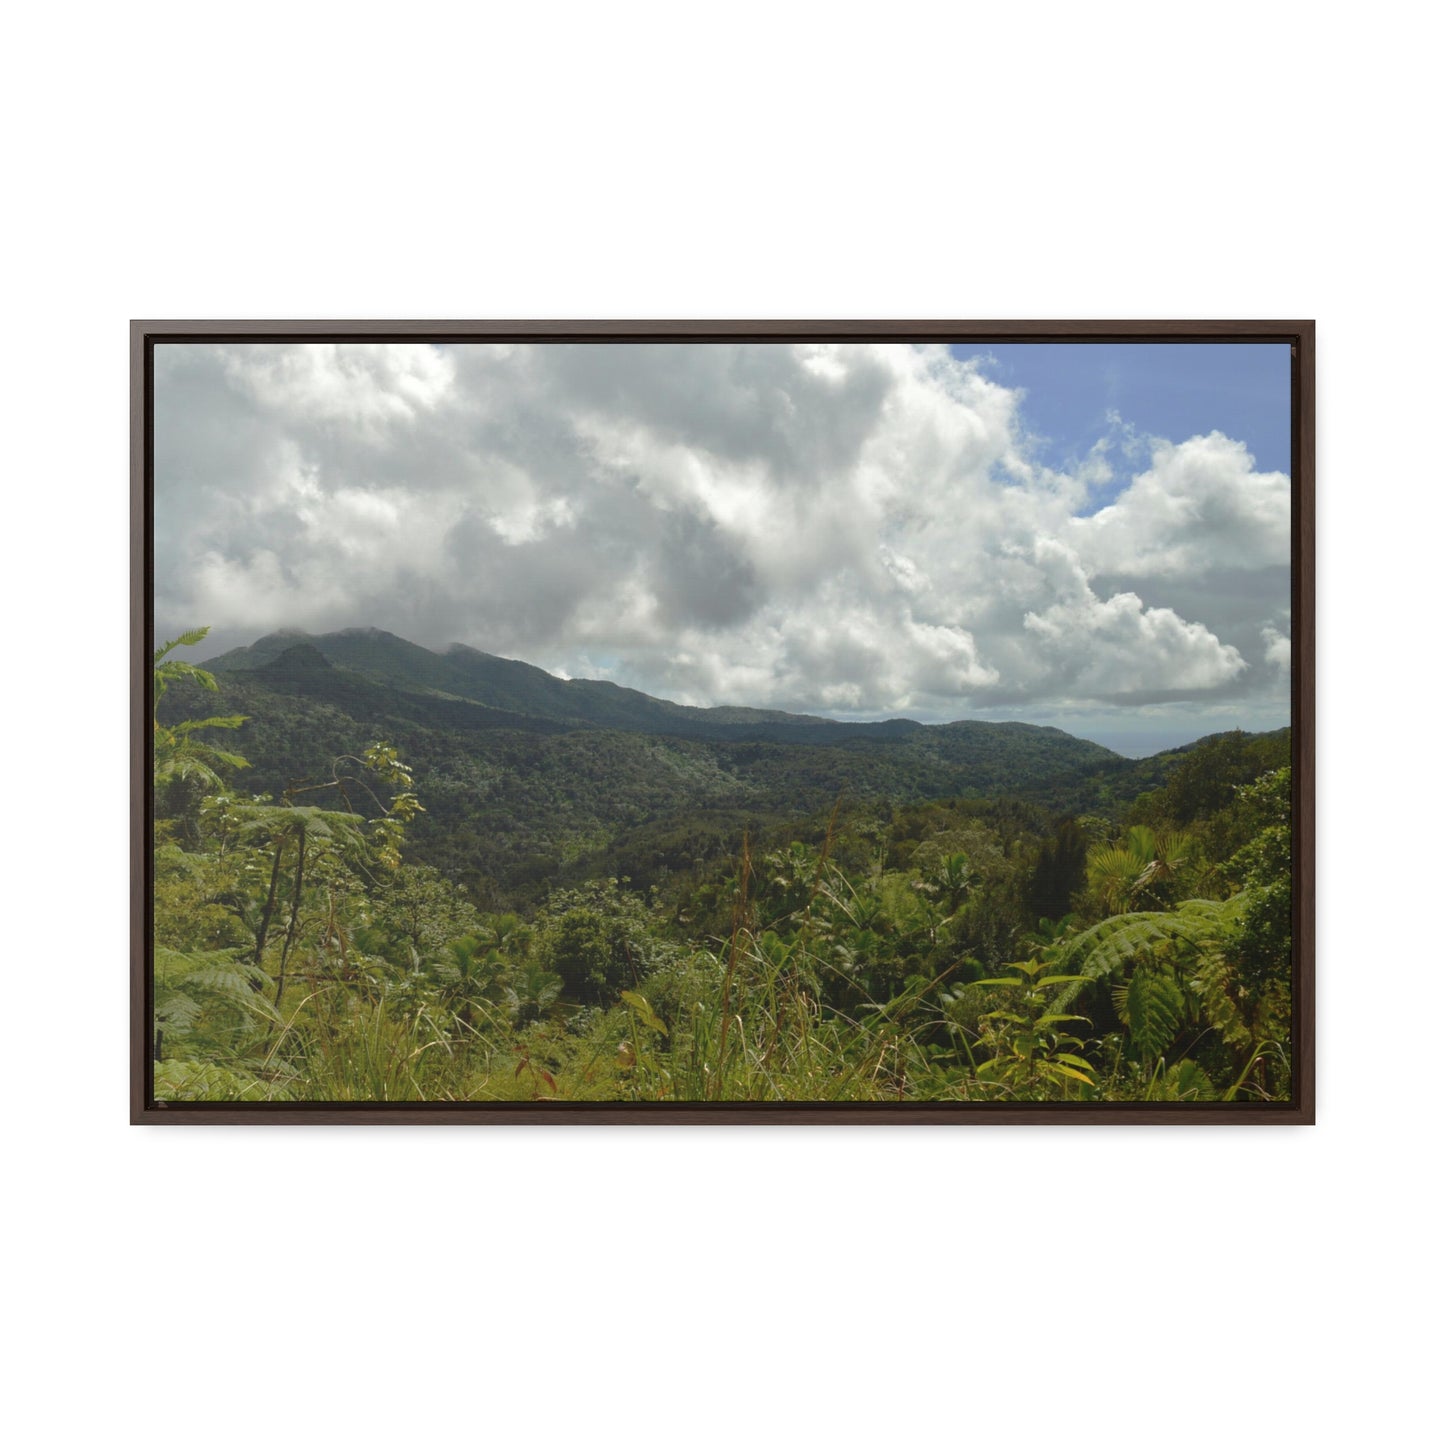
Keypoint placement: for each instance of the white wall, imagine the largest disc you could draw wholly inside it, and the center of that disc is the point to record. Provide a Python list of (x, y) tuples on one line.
[(735, 161)]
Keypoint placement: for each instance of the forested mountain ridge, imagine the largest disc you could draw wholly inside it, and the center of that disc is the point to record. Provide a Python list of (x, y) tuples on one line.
[(528, 777), (515, 688), (518, 689)]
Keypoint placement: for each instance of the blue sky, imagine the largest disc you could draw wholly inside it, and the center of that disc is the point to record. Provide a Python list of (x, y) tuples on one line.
[(1174, 391)]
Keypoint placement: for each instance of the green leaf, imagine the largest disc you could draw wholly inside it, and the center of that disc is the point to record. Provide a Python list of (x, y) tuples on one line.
[(1153, 1010), (186, 639), (1072, 1073), (182, 728), (643, 1010)]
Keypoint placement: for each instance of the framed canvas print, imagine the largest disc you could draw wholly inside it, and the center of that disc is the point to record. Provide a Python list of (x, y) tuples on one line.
[(723, 722)]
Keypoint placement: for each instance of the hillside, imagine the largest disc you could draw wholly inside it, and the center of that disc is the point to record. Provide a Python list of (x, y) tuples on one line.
[(528, 778), (506, 686)]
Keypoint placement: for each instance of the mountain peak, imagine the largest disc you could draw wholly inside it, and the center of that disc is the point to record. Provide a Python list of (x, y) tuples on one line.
[(374, 634), (302, 657)]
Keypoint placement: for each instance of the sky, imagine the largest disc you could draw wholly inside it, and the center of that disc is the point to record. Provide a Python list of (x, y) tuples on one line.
[(1089, 536)]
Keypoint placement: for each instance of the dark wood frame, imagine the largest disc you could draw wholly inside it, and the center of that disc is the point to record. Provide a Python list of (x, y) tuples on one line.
[(1300, 335)]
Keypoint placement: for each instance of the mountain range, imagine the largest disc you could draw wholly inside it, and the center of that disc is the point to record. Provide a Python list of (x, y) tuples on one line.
[(528, 778), (518, 694)]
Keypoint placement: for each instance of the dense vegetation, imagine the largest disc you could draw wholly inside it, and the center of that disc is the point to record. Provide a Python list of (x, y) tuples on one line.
[(383, 888)]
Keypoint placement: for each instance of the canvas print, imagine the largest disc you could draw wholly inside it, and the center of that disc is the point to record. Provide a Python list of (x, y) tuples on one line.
[(722, 723)]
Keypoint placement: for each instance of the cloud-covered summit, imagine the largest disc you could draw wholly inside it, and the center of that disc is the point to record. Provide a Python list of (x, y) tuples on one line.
[(861, 530)]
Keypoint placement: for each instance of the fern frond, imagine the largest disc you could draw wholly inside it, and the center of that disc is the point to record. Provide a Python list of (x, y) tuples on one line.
[(211, 985), (240, 984), (1190, 1084), (190, 1080), (182, 728), (186, 639), (1153, 1009), (177, 1013), (1210, 985), (174, 670), (1107, 947), (172, 967), (188, 767)]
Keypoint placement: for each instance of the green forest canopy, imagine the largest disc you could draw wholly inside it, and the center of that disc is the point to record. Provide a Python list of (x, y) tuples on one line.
[(384, 890)]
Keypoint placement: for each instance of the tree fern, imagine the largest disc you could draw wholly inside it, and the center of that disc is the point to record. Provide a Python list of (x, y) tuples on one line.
[(1107, 947), (209, 1003), (1177, 967)]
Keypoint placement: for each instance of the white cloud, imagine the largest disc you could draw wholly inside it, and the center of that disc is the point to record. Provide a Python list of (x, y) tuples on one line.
[(1200, 506), (825, 527), (1276, 648), (1116, 648), (371, 386)]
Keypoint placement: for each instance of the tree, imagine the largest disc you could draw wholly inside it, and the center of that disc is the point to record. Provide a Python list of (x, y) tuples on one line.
[(1262, 867), (1263, 950), (1139, 869), (1059, 873), (597, 940), (582, 955)]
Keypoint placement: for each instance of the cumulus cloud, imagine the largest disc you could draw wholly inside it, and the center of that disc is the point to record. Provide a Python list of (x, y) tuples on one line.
[(367, 387), (857, 529), (1199, 507), (1276, 648), (1117, 648)]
